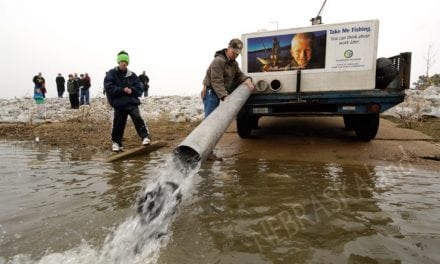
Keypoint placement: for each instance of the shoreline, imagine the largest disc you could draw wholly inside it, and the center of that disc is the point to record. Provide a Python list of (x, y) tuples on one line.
[(92, 137), (170, 119)]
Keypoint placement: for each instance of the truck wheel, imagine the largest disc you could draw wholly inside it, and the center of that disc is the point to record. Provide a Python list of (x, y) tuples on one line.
[(244, 125), (254, 121), (366, 126), (349, 121)]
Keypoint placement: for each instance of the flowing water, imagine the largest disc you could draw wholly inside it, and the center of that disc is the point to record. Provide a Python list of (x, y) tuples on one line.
[(59, 207)]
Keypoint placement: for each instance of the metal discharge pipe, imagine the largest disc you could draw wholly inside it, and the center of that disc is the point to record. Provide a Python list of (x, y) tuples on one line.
[(201, 141), (195, 148)]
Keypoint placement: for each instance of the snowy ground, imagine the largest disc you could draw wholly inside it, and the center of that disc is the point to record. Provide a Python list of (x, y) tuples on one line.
[(417, 104), (24, 110), (177, 108)]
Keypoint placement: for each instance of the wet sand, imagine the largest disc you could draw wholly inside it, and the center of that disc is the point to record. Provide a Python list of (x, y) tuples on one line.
[(289, 138), (93, 137), (324, 139)]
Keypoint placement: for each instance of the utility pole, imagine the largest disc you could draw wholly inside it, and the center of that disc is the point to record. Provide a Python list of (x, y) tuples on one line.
[(275, 22)]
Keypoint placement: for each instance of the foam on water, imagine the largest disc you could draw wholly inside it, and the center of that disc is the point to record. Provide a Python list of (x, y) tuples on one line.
[(140, 238)]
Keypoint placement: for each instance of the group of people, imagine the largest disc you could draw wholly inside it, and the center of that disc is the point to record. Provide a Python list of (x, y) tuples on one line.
[(78, 88)]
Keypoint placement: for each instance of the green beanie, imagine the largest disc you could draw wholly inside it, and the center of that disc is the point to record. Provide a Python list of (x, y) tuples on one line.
[(123, 56)]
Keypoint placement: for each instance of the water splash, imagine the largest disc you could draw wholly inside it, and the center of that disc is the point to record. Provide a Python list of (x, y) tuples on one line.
[(140, 238)]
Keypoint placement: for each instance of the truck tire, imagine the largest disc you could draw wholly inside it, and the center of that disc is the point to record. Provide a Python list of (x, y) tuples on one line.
[(254, 121), (244, 125), (366, 126), (385, 72), (349, 121)]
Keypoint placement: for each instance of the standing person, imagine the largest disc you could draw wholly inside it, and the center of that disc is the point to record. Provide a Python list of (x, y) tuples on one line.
[(60, 81), (222, 77), (73, 90), (143, 78), (123, 90), (39, 85), (81, 83), (84, 88)]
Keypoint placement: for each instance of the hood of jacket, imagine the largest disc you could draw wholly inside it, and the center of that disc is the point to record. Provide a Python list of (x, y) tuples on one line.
[(222, 53), (128, 73)]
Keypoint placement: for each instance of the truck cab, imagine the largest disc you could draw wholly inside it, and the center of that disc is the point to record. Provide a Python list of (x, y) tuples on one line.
[(329, 69)]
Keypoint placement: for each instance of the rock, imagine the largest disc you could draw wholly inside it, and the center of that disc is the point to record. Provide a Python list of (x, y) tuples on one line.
[(418, 103), (181, 119), (175, 108)]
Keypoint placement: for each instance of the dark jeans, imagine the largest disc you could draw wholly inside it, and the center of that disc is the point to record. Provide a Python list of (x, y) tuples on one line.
[(210, 102), (85, 95), (74, 101), (60, 92), (146, 92), (120, 120)]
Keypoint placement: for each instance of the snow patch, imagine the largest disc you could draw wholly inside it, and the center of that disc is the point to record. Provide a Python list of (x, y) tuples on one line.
[(173, 108), (417, 104)]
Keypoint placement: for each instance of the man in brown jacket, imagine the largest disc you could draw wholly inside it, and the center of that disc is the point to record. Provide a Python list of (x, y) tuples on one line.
[(223, 76)]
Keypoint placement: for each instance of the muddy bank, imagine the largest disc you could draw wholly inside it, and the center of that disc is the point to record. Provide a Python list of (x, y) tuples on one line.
[(92, 136), (170, 119)]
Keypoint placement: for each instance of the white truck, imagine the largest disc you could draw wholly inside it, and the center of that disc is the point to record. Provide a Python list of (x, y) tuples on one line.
[(325, 69)]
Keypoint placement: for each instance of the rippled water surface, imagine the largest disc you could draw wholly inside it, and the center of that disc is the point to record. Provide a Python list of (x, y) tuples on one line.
[(55, 205)]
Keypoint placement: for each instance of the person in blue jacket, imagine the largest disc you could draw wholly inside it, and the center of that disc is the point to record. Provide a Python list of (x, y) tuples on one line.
[(123, 89)]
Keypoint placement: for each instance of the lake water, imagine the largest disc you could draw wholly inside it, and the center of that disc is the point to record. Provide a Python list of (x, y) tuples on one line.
[(58, 207)]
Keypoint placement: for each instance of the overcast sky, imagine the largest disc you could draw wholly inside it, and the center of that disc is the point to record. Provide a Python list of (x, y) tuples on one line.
[(174, 41)]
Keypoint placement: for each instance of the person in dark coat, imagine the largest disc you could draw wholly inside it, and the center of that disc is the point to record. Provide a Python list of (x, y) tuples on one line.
[(123, 89), (73, 90), (84, 86), (143, 78), (61, 82)]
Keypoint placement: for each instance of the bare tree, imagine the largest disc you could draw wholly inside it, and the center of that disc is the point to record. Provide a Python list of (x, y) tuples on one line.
[(430, 61)]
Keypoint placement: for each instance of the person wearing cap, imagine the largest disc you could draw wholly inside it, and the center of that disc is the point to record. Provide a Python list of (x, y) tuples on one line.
[(123, 89), (223, 76)]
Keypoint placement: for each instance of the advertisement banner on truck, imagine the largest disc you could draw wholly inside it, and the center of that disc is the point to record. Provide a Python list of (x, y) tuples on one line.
[(305, 50), (326, 48), (351, 47)]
